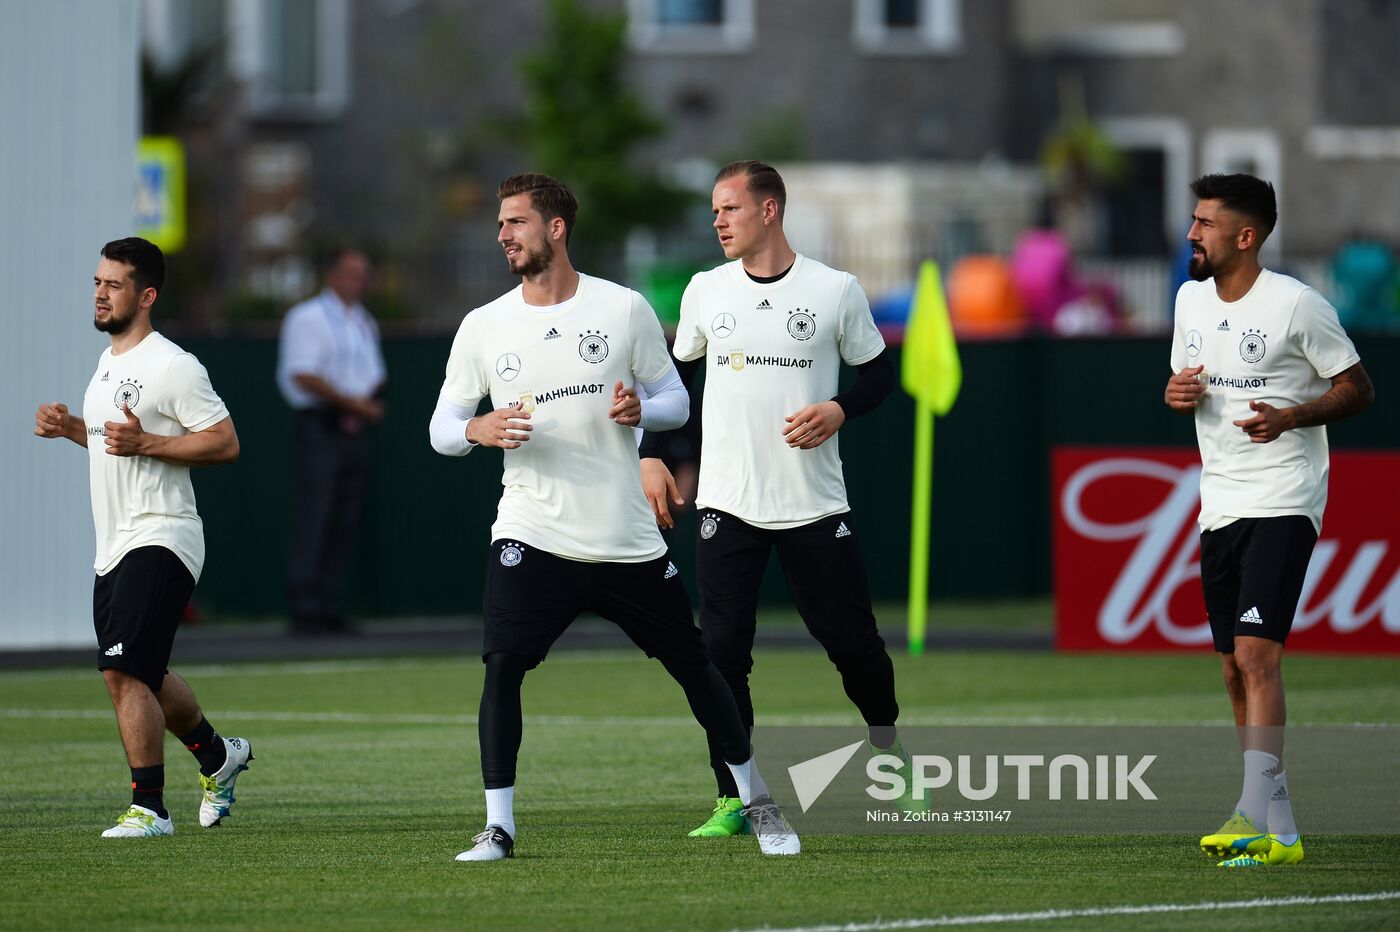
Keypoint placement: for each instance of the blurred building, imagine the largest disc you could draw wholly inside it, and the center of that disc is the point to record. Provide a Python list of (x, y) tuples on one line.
[(376, 119)]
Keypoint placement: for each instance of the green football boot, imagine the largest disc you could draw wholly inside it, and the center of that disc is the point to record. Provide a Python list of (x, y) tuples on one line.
[(1237, 836), (1278, 853), (726, 821), (906, 802)]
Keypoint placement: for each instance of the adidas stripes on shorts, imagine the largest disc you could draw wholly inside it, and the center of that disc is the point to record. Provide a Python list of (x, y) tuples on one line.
[(1252, 573), (136, 610)]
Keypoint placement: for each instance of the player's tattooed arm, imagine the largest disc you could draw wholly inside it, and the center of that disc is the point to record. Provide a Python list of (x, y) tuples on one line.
[(1351, 392)]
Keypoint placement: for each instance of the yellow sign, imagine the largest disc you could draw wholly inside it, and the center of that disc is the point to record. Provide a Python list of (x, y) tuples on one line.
[(160, 191)]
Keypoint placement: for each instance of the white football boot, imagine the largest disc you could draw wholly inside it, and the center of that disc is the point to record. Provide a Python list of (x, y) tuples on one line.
[(218, 789)]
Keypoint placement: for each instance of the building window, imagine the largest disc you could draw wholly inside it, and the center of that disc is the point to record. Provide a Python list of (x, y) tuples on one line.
[(1107, 28), (1257, 152), (293, 58), (172, 30), (1159, 155), (684, 26), (690, 12), (901, 14), (907, 27)]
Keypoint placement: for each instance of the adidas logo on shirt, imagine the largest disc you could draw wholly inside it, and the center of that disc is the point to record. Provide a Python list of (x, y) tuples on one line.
[(114, 651), (763, 306), (1252, 616), (670, 570), (553, 334), (1224, 325), (843, 531), (104, 376)]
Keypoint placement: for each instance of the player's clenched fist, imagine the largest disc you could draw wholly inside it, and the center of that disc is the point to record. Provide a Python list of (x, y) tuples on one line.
[(1184, 390), (52, 420)]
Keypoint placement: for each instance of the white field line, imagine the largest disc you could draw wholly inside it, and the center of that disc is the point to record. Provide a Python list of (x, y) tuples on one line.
[(1045, 915)]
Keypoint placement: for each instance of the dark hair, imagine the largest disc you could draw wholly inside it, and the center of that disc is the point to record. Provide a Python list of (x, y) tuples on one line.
[(1244, 194), (145, 258), (764, 180), (549, 196), (331, 255)]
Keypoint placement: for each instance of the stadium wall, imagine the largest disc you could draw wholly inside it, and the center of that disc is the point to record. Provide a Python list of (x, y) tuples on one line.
[(423, 544), (69, 107)]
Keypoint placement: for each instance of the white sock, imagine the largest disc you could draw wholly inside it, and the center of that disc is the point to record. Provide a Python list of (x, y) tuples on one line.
[(1281, 811), (748, 780), (500, 809), (1259, 767)]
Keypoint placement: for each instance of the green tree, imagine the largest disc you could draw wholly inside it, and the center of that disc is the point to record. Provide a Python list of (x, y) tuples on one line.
[(583, 124)]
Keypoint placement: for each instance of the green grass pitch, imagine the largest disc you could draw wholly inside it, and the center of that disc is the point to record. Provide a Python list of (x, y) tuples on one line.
[(366, 784)]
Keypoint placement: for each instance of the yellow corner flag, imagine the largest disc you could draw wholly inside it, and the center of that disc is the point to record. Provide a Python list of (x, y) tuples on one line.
[(932, 372)]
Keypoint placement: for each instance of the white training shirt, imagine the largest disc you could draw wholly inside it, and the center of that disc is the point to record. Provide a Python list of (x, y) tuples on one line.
[(574, 488), (771, 350), (1281, 344), (323, 336), (139, 501)]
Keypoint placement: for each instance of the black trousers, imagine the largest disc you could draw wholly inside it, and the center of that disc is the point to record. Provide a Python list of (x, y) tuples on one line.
[(332, 472), (826, 576)]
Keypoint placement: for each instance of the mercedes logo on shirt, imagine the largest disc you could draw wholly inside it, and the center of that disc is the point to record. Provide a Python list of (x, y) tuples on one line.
[(508, 366), (723, 325), (1193, 343)]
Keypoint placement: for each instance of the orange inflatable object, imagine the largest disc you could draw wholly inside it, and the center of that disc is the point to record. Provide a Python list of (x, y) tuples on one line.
[(982, 300)]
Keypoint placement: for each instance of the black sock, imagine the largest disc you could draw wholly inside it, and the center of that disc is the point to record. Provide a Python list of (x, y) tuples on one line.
[(147, 789), (206, 746)]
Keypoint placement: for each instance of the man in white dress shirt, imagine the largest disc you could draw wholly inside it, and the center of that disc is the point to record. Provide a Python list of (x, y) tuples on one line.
[(331, 371)]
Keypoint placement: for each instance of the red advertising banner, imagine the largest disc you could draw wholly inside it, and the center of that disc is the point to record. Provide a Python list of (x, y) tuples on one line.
[(1127, 549)]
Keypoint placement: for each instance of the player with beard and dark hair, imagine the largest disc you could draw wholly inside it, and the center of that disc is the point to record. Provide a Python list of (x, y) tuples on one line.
[(559, 357), (148, 416), (1244, 196), (1263, 364)]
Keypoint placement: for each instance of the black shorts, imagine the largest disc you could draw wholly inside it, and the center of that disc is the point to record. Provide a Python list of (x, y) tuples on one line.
[(532, 596), (825, 573), (1252, 574), (136, 610)]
